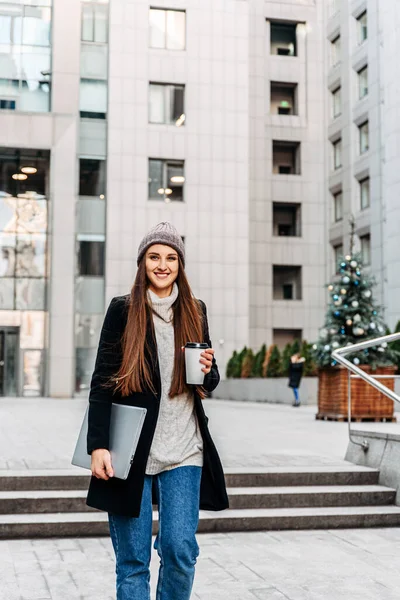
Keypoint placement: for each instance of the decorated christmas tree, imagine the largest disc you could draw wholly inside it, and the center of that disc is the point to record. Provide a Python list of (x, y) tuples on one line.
[(352, 316)]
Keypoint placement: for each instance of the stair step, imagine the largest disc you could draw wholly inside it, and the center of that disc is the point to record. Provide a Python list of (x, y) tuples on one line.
[(310, 496), (240, 498), (262, 519), (235, 477), (301, 476)]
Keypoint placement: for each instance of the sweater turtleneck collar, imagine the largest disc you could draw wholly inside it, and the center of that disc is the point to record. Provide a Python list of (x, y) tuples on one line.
[(163, 306)]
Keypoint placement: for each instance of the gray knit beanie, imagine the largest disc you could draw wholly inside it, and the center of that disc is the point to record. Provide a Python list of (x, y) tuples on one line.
[(163, 233)]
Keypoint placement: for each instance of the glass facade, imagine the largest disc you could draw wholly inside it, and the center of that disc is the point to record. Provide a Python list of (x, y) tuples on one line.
[(25, 55), (24, 176)]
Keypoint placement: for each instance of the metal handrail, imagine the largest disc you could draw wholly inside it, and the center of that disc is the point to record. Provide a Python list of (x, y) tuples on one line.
[(339, 356)]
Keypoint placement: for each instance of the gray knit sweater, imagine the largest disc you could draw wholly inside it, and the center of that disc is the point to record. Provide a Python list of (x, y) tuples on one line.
[(177, 439)]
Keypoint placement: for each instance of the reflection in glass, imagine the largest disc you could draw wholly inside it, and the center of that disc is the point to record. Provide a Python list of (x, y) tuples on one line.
[(157, 28), (87, 330), (155, 178), (91, 258), (7, 293), (166, 103), (7, 256), (84, 362), (93, 98), (11, 363), (36, 26), (31, 256), (11, 161), (32, 329), (32, 385), (91, 217), (92, 176), (89, 295), (30, 294), (176, 30), (94, 23)]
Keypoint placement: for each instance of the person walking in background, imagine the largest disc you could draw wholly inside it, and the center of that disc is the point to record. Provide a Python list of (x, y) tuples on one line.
[(295, 375), (140, 362)]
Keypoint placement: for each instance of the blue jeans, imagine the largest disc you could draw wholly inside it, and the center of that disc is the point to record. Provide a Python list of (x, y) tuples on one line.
[(178, 493), (296, 395)]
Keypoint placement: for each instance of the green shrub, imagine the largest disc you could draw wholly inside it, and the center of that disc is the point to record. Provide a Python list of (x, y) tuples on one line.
[(286, 354), (231, 365), (259, 358)]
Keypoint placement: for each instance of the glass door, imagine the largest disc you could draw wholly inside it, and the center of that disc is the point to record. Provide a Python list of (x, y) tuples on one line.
[(9, 349)]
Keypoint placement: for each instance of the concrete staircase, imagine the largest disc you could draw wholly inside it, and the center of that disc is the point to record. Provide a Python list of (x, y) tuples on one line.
[(52, 503)]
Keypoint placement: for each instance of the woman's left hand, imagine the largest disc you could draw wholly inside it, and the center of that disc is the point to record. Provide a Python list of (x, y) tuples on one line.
[(206, 359)]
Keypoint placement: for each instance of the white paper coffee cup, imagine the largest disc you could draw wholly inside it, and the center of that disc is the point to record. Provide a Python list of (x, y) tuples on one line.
[(194, 373)]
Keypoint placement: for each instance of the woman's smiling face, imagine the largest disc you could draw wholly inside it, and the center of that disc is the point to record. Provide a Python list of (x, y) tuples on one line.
[(162, 268)]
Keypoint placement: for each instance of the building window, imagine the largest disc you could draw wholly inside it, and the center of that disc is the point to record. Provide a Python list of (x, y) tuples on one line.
[(93, 99), (283, 39), (283, 337), (338, 206), (167, 29), (365, 241), (362, 76), (283, 98), (7, 104), (337, 154), (286, 282), (337, 256), (364, 193), (286, 158), (362, 26), (364, 137), (92, 177), (26, 56), (286, 219), (166, 104), (91, 258), (337, 102), (335, 51), (94, 22), (166, 180)]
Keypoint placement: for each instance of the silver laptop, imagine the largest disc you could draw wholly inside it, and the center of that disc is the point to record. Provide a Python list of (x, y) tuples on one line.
[(125, 428)]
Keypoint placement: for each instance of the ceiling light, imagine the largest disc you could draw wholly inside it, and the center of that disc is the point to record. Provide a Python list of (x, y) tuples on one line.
[(20, 176), (167, 200), (29, 170), (168, 191), (180, 121), (177, 179), (161, 191), (101, 196)]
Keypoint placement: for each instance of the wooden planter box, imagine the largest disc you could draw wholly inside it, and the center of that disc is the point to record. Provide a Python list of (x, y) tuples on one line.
[(366, 402)]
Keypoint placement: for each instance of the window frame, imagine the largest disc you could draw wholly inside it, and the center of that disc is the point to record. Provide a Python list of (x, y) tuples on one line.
[(166, 162), (337, 151), (362, 27), (337, 93), (366, 259), (338, 252), (167, 103), (166, 11), (363, 133), (338, 213), (360, 75), (362, 182)]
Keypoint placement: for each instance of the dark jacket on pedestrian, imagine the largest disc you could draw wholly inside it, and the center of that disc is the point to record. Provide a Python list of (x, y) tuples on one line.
[(123, 497), (295, 373)]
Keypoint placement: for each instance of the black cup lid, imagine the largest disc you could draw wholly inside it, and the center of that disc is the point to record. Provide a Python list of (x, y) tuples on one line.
[(196, 345)]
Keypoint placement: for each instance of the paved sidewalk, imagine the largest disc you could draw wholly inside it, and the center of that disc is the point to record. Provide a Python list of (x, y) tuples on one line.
[(288, 565), (41, 434)]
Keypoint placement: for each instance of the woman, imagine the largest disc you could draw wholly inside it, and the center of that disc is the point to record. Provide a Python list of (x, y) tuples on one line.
[(295, 375), (140, 362)]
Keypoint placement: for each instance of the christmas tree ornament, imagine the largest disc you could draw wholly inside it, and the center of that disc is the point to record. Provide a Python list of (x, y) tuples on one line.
[(343, 291), (330, 287), (372, 325), (380, 329), (315, 346), (356, 283), (336, 297), (355, 304), (337, 313), (346, 279), (384, 344), (353, 264), (349, 322), (367, 294), (327, 348), (356, 361), (348, 257), (357, 318), (335, 344)]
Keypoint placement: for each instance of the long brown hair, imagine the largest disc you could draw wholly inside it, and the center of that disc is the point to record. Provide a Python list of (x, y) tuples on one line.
[(135, 372)]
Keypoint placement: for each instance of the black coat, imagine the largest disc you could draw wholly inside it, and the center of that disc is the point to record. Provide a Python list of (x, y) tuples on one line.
[(295, 374), (123, 497)]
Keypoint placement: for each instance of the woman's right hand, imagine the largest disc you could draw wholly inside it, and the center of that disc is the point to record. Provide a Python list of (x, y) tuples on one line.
[(101, 466)]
